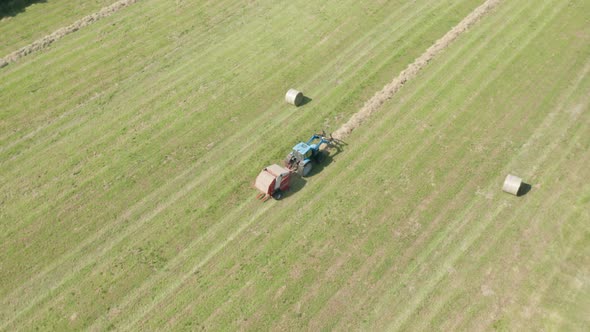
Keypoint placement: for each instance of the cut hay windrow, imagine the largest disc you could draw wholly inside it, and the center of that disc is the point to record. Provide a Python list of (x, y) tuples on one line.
[(373, 104), (44, 42)]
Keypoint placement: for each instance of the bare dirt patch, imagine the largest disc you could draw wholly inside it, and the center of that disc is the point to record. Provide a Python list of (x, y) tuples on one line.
[(373, 104), (44, 42)]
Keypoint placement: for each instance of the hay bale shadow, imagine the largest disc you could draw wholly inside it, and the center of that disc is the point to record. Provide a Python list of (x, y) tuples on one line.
[(12, 8), (524, 189), (306, 100)]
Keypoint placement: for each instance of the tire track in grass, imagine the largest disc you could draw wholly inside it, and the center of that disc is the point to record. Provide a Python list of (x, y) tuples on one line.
[(413, 69), (151, 100), (73, 111), (40, 20), (462, 247), (225, 42), (553, 145), (442, 302), (188, 65), (100, 323), (533, 140), (155, 195), (419, 151), (522, 45), (486, 321), (534, 300), (106, 229), (137, 118), (555, 197), (46, 41), (177, 121), (472, 236)]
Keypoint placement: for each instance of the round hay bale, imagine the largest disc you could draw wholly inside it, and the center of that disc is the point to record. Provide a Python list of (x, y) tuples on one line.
[(294, 97), (512, 184)]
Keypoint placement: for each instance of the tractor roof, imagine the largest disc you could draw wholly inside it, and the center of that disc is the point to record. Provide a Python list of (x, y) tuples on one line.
[(302, 148)]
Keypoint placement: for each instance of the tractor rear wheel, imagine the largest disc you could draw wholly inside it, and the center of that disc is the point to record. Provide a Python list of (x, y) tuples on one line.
[(306, 169)]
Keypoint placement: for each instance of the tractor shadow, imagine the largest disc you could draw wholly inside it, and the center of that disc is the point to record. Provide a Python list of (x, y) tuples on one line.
[(298, 182), (318, 168), (524, 189), (332, 152), (11, 8)]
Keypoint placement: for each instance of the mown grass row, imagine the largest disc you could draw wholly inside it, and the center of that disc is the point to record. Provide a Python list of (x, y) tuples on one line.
[(41, 18)]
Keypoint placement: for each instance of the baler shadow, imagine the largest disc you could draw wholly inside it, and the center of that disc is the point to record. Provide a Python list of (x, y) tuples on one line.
[(297, 183)]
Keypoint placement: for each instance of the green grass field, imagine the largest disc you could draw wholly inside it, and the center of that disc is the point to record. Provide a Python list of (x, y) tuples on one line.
[(128, 150), (42, 18)]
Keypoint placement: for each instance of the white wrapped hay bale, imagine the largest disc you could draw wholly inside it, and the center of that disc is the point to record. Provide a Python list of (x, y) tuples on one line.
[(512, 184), (294, 97)]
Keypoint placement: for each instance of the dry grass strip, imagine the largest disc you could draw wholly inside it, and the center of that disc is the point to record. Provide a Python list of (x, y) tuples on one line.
[(373, 104), (44, 42)]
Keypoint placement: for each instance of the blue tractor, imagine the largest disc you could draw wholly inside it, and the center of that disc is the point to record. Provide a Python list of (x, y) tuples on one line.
[(301, 159)]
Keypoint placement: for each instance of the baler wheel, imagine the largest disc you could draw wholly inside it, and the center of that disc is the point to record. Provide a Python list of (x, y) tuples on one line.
[(278, 194)]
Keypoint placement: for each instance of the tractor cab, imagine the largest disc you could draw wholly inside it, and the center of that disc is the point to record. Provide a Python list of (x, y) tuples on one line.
[(299, 160), (302, 151)]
